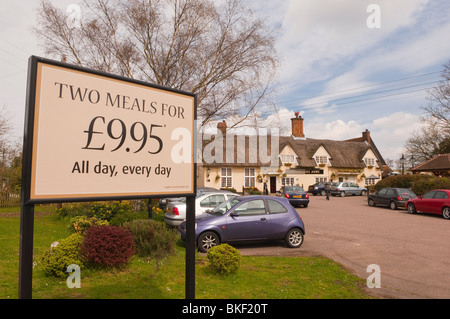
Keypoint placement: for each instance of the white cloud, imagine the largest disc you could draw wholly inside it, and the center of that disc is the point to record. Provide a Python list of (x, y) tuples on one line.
[(318, 39), (334, 130), (391, 132)]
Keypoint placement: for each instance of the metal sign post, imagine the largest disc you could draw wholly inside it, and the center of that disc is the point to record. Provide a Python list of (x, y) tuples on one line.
[(94, 136)]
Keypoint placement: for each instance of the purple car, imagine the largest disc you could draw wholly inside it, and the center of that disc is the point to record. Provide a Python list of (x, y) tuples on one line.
[(248, 218)]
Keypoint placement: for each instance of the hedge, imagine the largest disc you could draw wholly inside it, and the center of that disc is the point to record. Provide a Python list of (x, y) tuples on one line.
[(418, 183)]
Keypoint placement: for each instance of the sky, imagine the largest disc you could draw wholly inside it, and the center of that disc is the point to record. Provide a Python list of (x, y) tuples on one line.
[(345, 65)]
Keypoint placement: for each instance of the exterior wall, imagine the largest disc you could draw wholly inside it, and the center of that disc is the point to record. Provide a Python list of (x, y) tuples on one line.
[(297, 176), (238, 178), (356, 175)]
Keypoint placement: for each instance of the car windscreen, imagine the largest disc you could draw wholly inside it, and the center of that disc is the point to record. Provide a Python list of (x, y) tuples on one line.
[(224, 207)]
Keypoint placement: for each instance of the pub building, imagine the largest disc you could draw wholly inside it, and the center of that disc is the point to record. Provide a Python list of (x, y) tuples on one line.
[(301, 161)]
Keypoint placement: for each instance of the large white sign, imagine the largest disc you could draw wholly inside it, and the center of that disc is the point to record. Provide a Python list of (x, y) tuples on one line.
[(96, 135)]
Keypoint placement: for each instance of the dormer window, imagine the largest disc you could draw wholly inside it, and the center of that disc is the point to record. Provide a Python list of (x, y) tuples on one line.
[(370, 161), (287, 158), (321, 160)]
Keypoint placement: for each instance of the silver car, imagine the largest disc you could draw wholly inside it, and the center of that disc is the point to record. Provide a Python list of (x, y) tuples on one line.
[(347, 188), (175, 212)]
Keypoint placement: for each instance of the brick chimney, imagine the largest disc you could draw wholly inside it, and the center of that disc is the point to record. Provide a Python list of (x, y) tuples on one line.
[(222, 126), (297, 126), (366, 136)]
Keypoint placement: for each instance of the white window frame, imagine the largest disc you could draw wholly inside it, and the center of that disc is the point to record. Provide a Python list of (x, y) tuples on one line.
[(321, 159), (370, 161), (249, 177), (287, 181), (321, 179), (288, 158), (226, 178)]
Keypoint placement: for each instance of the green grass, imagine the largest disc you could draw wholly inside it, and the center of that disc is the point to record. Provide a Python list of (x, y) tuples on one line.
[(257, 278)]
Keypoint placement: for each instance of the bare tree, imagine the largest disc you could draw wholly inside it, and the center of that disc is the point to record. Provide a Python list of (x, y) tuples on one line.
[(438, 108), (434, 137), (218, 51)]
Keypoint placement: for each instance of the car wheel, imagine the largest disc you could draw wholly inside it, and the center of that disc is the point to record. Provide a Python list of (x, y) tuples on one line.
[(294, 238), (371, 202), (342, 194), (411, 208), (363, 193), (207, 240), (446, 212), (392, 205), (323, 192)]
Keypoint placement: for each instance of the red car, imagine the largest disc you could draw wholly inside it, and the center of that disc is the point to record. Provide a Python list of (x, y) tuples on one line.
[(435, 202)]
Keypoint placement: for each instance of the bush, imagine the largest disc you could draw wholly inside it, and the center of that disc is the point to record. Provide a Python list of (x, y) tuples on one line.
[(80, 224), (224, 259), (66, 252), (108, 210), (152, 239), (101, 210), (108, 246), (424, 185), (418, 183)]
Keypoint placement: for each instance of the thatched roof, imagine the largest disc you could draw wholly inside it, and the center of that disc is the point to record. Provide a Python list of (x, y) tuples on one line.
[(243, 150), (344, 154)]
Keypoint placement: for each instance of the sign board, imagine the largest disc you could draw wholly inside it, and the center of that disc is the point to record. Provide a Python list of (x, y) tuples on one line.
[(92, 135)]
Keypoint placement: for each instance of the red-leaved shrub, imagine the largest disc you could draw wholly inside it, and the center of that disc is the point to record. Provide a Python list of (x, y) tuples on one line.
[(108, 246)]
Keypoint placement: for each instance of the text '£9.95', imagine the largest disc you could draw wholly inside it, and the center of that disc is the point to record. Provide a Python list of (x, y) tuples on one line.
[(117, 130)]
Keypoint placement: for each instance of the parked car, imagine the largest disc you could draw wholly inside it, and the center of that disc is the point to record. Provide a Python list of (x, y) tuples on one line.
[(317, 189), (347, 188), (200, 190), (248, 218), (296, 195), (435, 202), (175, 212), (391, 197)]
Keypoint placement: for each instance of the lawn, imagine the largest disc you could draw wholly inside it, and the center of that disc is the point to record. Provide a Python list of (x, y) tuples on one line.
[(257, 278)]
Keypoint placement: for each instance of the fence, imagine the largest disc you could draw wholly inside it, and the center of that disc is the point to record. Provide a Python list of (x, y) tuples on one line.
[(9, 200)]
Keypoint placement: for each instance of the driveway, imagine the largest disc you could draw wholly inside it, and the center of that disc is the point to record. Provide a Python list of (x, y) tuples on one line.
[(412, 251)]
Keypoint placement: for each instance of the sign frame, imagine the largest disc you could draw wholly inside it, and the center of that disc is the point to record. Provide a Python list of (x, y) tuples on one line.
[(29, 145), (28, 201)]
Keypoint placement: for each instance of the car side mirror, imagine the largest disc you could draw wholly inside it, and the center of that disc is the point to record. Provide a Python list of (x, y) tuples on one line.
[(234, 214)]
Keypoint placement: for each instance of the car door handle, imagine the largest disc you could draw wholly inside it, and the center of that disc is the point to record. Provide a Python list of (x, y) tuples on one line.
[(263, 219)]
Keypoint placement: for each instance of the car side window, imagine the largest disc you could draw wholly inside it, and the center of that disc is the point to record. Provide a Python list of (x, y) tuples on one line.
[(345, 185), (276, 207), (253, 207), (428, 195), (382, 192), (212, 201), (353, 185), (441, 195), (390, 192)]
